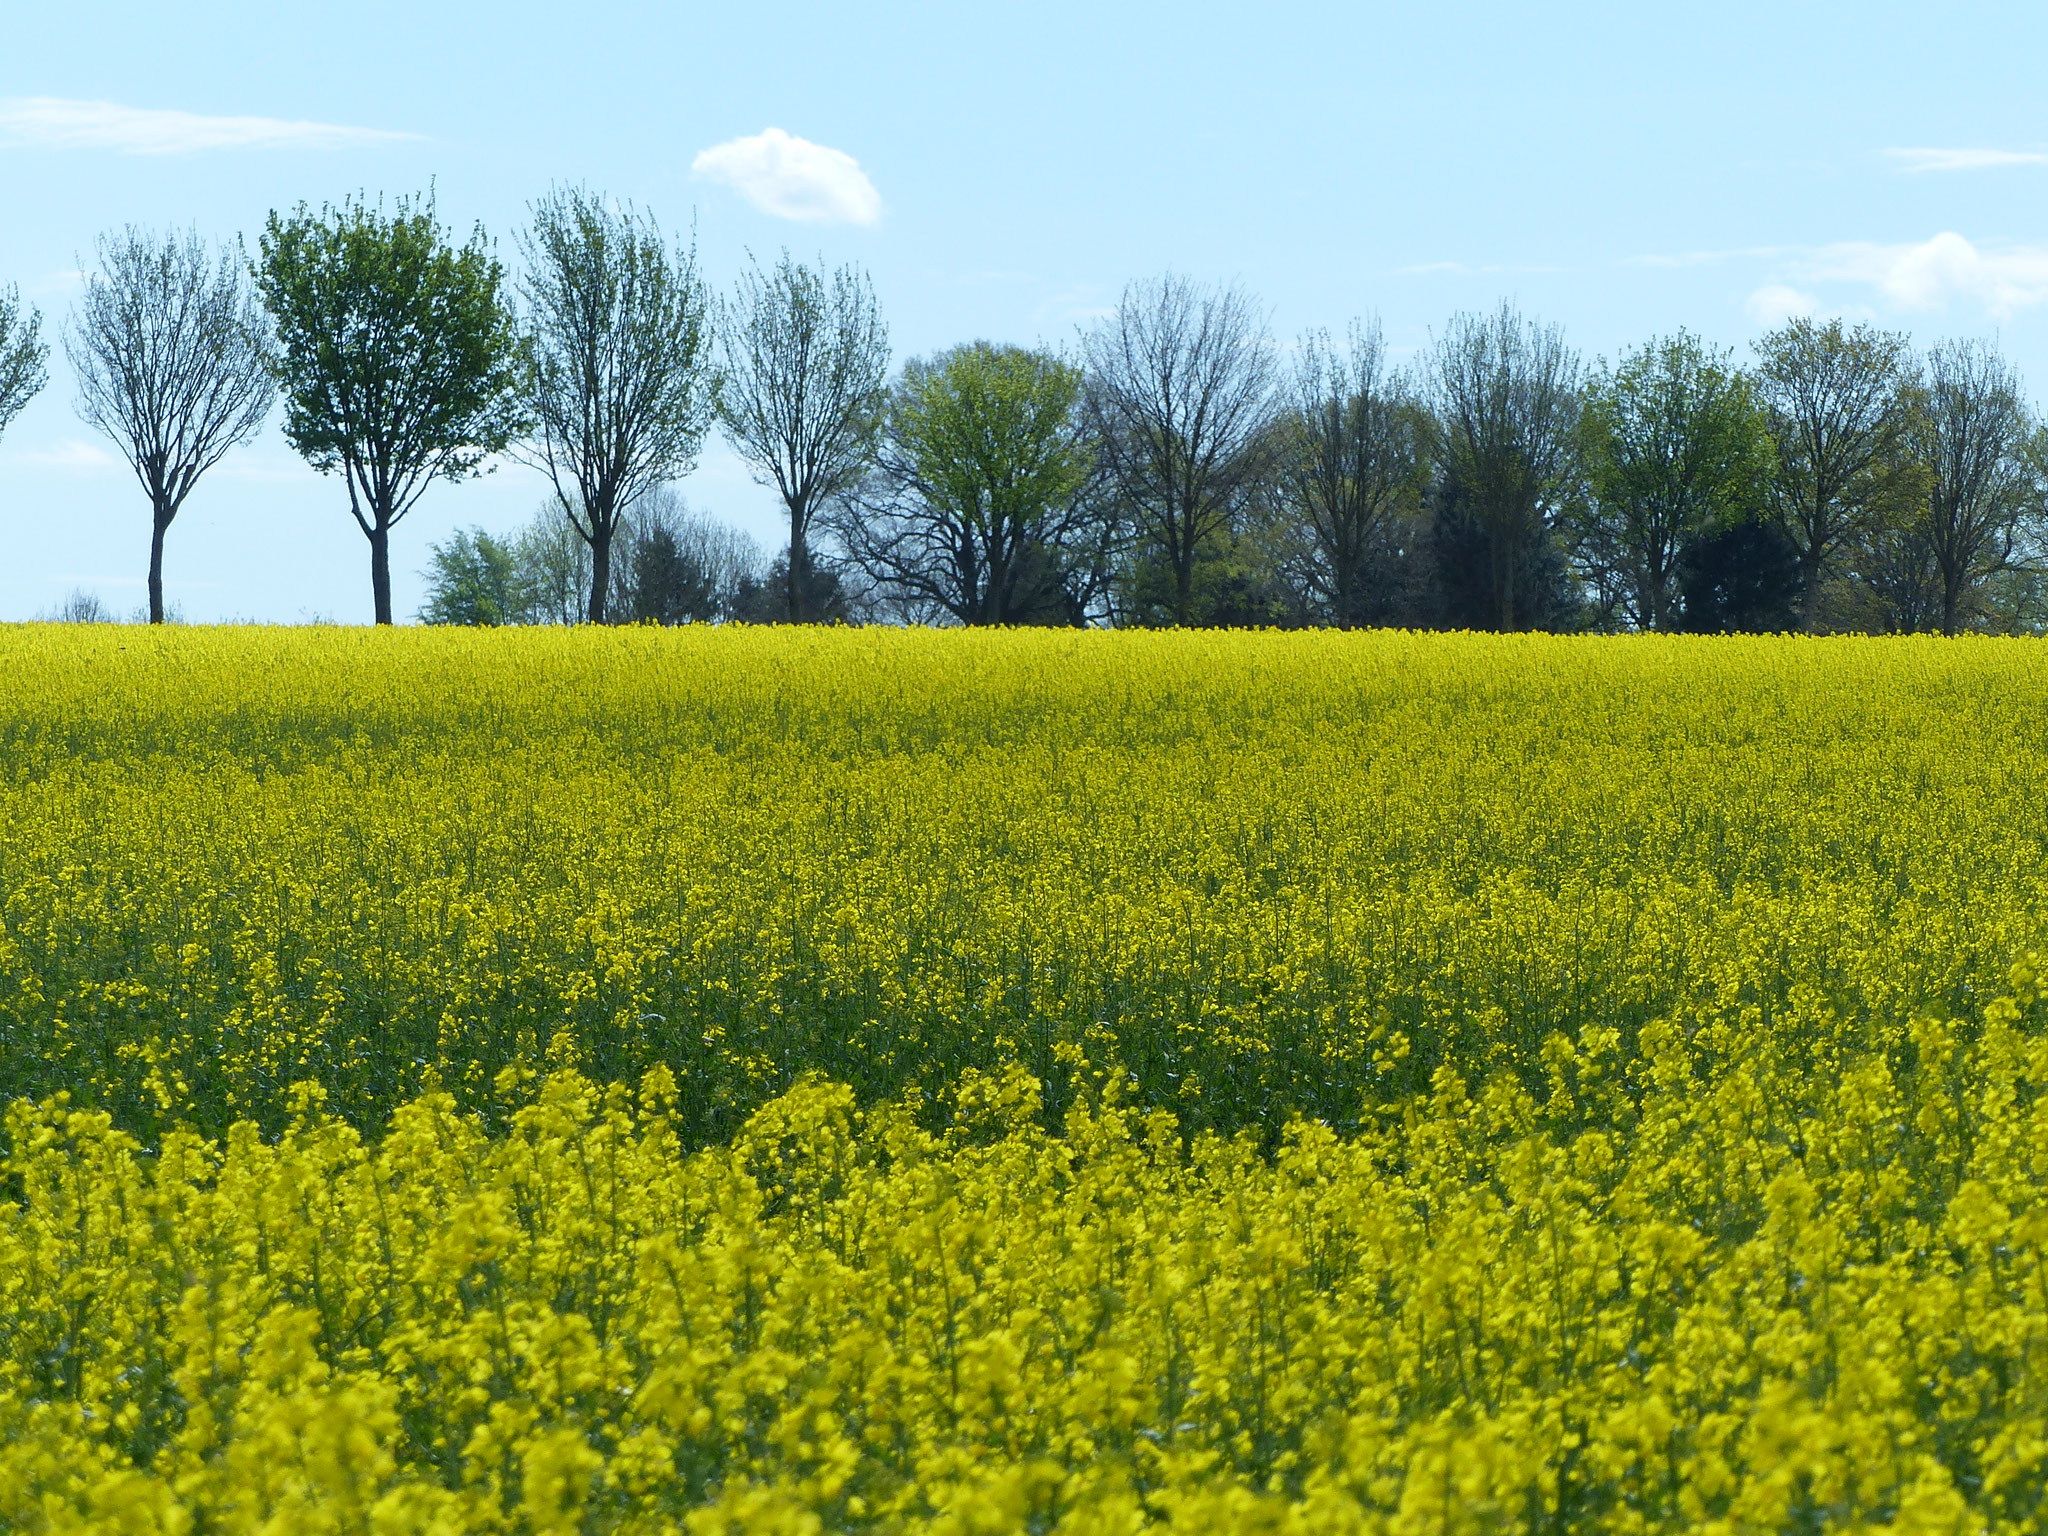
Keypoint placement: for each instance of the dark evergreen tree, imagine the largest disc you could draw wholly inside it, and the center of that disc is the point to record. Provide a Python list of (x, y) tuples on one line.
[(822, 594), (669, 585), (1466, 595), (1740, 579)]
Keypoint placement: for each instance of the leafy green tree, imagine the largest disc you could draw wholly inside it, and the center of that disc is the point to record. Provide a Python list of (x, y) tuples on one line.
[(399, 358), (977, 501), (474, 579), (1838, 403), (22, 355), (1676, 446), (1884, 578), (1508, 397), (802, 388), (621, 384), (173, 362)]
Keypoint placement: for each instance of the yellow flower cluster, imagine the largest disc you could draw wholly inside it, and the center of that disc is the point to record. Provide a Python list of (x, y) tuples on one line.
[(788, 1081), (1268, 874), (1786, 1275)]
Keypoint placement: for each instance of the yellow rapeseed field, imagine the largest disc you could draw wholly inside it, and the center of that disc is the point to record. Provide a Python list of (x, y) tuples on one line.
[(762, 1081)]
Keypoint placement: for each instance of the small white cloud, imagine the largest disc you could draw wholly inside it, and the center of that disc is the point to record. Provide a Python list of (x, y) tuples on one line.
[(1929, 274), (264, 466), (72, 454), (1775, 303), (1075, 306), (51, 122), (792, 178), (1963, 159), (55, 285)]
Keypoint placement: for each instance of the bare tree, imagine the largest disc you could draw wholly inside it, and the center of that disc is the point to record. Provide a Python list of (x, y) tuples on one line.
[(804, 362), (1351, 461), (79, 607), (978, 500), (1837, 409), (1894, 584), (22, 355), (1180, 392), (170, 348), (621, 384), (1973, 436), (1508, 399)]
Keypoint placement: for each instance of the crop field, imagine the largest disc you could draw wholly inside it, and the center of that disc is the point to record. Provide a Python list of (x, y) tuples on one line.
[(728, 1080)]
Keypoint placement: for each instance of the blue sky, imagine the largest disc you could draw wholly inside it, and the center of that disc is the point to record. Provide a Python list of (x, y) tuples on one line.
[(1622, 169)]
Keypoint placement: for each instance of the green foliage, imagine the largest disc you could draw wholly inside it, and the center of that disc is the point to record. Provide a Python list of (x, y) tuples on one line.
[(1838, 402), (391, 338), (1508, 395), (1676, 446), (669, 584), (1237, 582), (989, 432), (399, 358), (474, 579), (1741, 578), (23, 354), (977, 509)]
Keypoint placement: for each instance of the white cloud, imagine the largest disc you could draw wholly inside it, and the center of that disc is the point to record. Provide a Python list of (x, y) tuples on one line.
[(266, 466), (1775, 303), (50, 122), (70, 453), (792, 178), (1964, 159), (1931, 273), (1075, 306)]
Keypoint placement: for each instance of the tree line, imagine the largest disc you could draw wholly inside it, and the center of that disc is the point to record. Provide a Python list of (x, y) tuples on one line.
[(1176, 466)]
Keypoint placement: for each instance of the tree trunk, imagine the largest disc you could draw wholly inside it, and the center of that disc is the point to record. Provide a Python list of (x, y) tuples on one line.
[(1503, 550), (1951, 604), (380, 569), (600, 570), (799, 566), (159, 524), (1184, 586), (1809, 599), (987, 605)]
